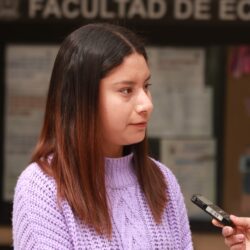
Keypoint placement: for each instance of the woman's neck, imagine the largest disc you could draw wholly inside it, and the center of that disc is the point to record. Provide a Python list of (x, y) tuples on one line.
[(113, 152)]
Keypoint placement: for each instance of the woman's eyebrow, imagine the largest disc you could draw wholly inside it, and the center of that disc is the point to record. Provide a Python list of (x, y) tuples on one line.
[(128, 82), (124, 82)]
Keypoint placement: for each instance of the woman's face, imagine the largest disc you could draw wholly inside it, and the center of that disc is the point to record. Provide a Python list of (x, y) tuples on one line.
[(125, 104)]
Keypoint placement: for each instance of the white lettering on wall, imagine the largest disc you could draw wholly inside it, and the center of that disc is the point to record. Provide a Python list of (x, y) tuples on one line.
[(34, 7), (183, 9), (202, 10), (73, 12), (52, 9), (152, 11), (89, 10), (242, 12), (137, 8), (197, 9), (227, 10), (104, 13), (121, 7)]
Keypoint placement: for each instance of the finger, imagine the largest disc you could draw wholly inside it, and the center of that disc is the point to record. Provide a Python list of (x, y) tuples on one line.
[(233, 240), (216, 223), (227, 231), (238, 247), (240, 221)]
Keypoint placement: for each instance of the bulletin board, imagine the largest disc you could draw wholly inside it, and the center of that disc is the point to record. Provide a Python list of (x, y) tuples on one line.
[(27, 73)]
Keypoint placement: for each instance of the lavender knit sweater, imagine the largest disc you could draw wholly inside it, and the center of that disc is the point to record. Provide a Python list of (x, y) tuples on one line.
[(39, 223)]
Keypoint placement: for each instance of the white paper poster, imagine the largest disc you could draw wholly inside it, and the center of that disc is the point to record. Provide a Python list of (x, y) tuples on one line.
[(28, 70), (182, 101), (193, 164)]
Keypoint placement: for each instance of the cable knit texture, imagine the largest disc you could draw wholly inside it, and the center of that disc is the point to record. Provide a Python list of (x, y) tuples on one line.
[(40, 223)]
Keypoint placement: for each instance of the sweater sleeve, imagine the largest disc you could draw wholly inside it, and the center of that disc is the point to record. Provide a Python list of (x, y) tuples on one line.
[(38, 222), (179, 208)]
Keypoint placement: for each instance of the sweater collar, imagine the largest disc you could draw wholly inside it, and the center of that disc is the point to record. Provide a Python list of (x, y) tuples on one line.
[(119, 172)]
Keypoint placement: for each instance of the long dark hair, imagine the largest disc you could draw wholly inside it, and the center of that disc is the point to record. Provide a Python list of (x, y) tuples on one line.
[(71, 133)]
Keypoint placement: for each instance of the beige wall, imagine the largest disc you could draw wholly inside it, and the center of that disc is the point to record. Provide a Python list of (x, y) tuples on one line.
[(5, 236), (236, 138), (208, 242)]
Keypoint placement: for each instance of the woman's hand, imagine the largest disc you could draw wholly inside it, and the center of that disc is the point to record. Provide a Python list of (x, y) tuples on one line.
[(238, 237)]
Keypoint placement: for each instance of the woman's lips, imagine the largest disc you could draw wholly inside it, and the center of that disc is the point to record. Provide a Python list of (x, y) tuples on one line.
[(140, 124)]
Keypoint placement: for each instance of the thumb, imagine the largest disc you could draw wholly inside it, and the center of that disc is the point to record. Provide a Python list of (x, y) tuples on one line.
[(240, 221)]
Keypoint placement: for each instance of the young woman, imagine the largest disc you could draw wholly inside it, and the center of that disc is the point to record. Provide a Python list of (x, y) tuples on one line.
[(91, 184)]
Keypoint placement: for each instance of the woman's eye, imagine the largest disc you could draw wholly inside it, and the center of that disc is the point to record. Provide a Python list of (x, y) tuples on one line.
[(126, 91), (147, 85)]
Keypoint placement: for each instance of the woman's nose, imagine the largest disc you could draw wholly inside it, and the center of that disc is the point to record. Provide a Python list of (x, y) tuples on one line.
[(144, 103)]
